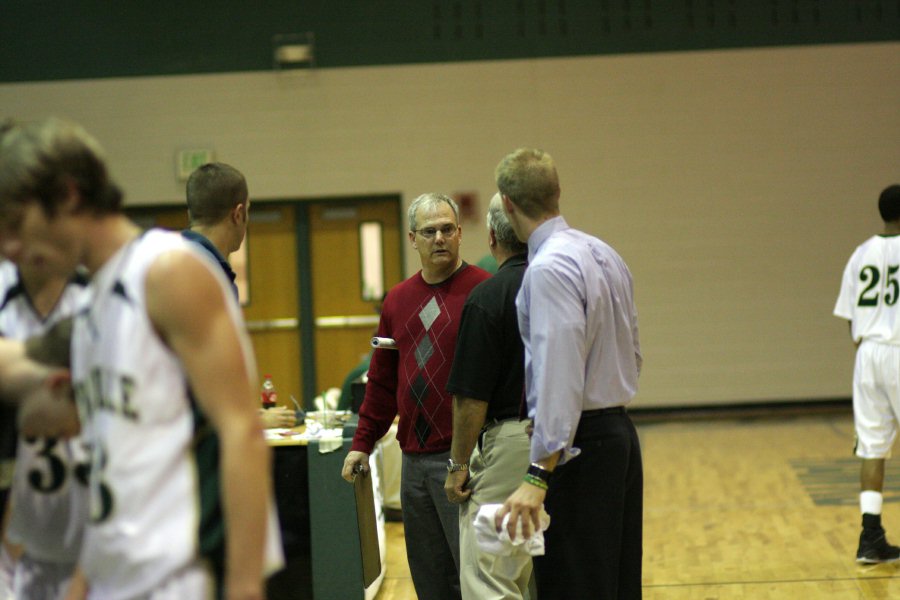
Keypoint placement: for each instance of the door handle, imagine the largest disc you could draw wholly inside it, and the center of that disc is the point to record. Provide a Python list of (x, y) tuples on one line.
[(272, 324), (347, 321)]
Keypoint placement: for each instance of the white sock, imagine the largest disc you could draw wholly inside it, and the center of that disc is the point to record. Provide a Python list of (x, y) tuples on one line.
[(870, 502)]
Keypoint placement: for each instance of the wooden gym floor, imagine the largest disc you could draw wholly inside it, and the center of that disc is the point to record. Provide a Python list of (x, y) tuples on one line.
[(761, 507)]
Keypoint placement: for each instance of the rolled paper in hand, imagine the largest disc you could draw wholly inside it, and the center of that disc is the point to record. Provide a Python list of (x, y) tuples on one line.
[(384, 343)]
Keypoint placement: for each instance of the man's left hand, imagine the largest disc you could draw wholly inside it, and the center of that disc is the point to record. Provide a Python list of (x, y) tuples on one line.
[(455, 487), (50, 411), (524, 504)]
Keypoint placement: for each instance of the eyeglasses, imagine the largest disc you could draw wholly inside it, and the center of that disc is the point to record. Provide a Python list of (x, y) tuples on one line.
[(448, 230)]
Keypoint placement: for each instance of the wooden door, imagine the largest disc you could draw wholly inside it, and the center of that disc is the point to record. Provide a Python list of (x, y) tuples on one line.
[(168, 217), (270, 296), (272, 306), (344, 318), (314, 246)]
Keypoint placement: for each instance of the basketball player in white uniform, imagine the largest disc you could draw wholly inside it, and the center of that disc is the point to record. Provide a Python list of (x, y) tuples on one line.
[(870, 300), (163, 378), (49, 491), (8, 437)]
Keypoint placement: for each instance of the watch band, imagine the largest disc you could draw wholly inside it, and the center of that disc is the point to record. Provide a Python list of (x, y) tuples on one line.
[(536, 470), (453, 467)]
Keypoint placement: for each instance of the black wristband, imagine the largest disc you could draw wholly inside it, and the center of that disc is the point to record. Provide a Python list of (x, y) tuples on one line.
[(539, 472)]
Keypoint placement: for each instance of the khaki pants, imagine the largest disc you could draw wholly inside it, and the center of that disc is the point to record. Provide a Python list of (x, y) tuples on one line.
[(496, 469)]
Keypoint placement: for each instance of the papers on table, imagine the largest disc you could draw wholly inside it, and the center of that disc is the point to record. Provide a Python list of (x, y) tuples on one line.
[(311, 433)]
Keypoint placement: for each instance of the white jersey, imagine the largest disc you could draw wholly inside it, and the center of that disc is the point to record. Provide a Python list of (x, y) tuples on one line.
[(154, 481), (18, 318), (8, 431), (49, 491), (870, 291)]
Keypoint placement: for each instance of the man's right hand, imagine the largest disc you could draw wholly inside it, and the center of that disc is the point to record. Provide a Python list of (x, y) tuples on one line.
[(356, 462), (278, 416), (455, 487)]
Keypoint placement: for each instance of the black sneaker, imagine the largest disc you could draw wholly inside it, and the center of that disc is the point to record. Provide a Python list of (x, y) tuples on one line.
[(874, 548)]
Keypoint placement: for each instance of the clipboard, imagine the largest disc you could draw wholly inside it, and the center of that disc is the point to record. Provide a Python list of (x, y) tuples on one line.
[(368, 532)]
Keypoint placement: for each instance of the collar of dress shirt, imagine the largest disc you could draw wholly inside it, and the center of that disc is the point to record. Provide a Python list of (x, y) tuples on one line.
[(544, 231)]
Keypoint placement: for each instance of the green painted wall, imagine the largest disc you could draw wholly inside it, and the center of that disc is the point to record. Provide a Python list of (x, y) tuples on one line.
[(52, 40)]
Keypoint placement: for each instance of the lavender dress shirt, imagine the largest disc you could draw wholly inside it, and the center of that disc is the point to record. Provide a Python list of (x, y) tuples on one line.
[(579, 325)]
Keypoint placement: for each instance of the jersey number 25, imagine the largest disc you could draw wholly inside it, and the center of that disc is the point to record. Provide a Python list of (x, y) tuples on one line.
[(870, 276)]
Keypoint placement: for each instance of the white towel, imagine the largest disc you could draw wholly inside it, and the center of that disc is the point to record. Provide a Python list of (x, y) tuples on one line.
[(499, 543)]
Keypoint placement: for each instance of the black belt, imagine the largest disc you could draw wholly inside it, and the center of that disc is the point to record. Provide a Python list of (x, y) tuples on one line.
[(489, 423), (496, 421), (599, 412)]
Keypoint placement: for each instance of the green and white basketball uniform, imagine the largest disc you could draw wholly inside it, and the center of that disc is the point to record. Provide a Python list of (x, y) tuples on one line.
[(49, 489), (870, 300), (154, 480)]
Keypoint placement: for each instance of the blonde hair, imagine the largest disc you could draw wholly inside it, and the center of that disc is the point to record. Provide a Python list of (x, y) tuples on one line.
[(528, 178)]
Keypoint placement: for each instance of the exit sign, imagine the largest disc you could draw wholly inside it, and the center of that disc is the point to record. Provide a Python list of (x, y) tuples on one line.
[(187, 161)]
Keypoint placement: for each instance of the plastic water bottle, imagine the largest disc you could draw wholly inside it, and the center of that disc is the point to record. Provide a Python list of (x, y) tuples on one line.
[(268, 394)]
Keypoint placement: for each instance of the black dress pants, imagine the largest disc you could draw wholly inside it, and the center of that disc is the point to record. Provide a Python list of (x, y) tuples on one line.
[(595, 501)]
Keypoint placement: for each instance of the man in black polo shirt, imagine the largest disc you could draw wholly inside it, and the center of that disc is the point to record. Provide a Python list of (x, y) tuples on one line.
[(490, 446)]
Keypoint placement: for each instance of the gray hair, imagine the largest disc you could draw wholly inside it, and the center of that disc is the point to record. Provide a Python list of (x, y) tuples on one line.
[(503, 231), (430, 200)]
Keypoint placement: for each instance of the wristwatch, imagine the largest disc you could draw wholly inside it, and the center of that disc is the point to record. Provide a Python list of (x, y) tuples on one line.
[(536, 470), (453, 467)]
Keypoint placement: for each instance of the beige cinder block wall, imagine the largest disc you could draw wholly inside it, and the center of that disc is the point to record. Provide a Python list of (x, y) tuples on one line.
[(734, 183)]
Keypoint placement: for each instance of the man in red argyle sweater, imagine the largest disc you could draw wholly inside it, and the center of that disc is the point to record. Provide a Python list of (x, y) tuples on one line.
[(422, 315)]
